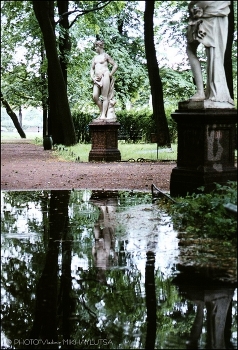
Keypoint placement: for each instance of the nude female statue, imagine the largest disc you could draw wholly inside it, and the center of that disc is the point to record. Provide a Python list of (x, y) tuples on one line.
[(103, 82)]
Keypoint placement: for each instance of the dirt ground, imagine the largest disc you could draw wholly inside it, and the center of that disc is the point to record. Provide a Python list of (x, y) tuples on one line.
[(25, 166)]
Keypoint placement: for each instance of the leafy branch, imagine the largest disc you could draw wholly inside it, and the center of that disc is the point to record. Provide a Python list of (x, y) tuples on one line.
[(99, 6)]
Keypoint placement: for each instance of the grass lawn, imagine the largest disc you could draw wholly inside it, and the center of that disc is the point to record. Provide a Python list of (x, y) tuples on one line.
[(129, 151), (8, 136), (80, 152)]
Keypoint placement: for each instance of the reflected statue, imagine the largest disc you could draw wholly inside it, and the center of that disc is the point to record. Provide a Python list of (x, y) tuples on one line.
[(103, 83), (196, 329), (104, 230), (208, 24), (216, 302)]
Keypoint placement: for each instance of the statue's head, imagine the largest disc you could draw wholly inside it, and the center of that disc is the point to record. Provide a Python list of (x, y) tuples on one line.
[(99, 43)]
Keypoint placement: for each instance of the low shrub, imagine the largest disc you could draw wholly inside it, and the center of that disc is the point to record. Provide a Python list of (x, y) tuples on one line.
[(204, 214), (135, 125)]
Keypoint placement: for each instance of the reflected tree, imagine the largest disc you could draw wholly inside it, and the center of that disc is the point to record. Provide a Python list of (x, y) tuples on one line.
[(21, 257), (151, 303), (45, 317)]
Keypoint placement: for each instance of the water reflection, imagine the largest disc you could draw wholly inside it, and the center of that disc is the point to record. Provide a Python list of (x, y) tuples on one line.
[(150, 301), (214, 306), (104, 230), (98, 269), (47, 288)]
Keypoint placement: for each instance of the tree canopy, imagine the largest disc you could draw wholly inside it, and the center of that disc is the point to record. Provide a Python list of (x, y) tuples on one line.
[(25, 64)]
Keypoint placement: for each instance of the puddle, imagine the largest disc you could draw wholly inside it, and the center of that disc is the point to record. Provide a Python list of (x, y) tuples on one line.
[(99, 270)]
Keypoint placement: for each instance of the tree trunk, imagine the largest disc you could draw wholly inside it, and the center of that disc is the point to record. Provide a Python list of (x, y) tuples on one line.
[(62, 127), (45, 320), (228, 53), (13, 117), (64, 39), (20, 116), (150, 297), (163, 137), (53, 127), (44, 93)]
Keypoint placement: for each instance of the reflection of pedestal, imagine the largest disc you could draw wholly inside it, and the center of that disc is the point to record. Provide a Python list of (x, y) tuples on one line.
[(206, 149), (104, 141)]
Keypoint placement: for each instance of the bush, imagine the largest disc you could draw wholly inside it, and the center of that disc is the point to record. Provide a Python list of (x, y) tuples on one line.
[(204, 214), (136, 124), (171, 123), (81, 121)]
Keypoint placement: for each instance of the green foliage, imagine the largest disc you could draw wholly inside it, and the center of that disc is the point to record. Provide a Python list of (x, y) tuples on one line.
[(204, 214), (131, 81), (81, 121), (172, 125), (177, 84), (20, 48), (122, 30), (135, 124), (172, 17)]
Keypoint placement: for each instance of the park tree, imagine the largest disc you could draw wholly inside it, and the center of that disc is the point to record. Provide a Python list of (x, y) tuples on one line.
[(60, 123), (13, 117), (163, 138), (20, 81), (75, 25), (60, 120)]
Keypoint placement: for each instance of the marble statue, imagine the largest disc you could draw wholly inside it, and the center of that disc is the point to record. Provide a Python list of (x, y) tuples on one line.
[(208, 24), (103, 83)]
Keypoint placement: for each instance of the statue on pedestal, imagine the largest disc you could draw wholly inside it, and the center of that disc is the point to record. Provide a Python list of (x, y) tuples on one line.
[(103, 83), (208, 24)]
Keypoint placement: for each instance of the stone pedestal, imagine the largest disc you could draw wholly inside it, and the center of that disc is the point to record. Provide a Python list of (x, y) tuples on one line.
[(104, 141), (206, 149)]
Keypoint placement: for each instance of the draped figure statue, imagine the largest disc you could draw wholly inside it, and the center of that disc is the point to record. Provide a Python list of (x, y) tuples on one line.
[(208, 24)]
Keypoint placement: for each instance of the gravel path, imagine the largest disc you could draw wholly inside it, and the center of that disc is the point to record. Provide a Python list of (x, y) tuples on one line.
[(25, 166)]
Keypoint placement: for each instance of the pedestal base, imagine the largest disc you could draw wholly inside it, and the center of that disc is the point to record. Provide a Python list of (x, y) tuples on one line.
[(206, 150), (186, 181), (104, 142)]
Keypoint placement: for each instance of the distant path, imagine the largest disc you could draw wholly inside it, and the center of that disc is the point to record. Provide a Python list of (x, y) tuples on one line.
[(25, 166)]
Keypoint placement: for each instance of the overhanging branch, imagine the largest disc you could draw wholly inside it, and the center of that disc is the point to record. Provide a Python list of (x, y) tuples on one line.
[(98, 7), (13, 117)]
